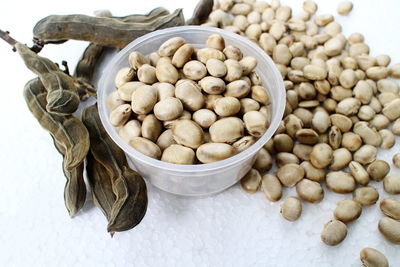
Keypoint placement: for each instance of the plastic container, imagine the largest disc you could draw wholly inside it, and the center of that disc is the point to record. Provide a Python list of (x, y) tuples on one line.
[(202, 179)]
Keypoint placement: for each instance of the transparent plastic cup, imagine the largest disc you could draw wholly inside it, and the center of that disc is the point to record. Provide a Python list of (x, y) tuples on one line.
[(201, 179)]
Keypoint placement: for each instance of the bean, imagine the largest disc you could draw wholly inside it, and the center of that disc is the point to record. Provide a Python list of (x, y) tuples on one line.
[(321, 155), (194, 70), (165, 139), (371, 257), (205, 54), (284, 158), (351, 141), (251, 181), (291, 209), (226, 106), (120, 115), (238, 89), (392, 110), (342, 122), (388, 139), (167, 109), (182, 55), (244, 143), (334, 232), (378, 170), (260, 94), (232, 52), (188, 133), (366, 154), (340, 182), (312, 173), (178, 154), (391, 207), (302, 151), (190, 95), (310, 191), (283, 143), (255, 122), (204, 117), (341, 158), (211, 152), (391, 184), (216, 68), (226, 130), (359, 173), (290, 174), (263, 160), (348, 106), (366, 196), (347, 211), (131, 129), (146, 147), (390, 229), (344, 7), (234, 70)]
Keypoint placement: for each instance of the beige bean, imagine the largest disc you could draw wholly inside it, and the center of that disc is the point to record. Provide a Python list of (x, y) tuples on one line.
[(204, 117), (321, 121), (234, 70), (347, 211), (292, 124), (210, 101), (168, 109), (396, 127), (388, 139), (147, 74), (184, 116), (165, 90), (227, 130), (341, 158), (143, 99), (166, 139), (348, 106), (244, 143), (154, 58), (323, 19), (137, 59), (248, 104), (359, 173), (378, 170), (131, 129), (238, 89), (335, 137), (126, 90), (307, 136), (386, 98), (114, 100), (366, 196), (188, 133), (178, 154), (169, 47), (310, 6), (194, 70), (291, 209), (204, 54), (212, 85), (226, 106), (190, 95), (253, 31), (379, 122), (255, 122), (312, 173), (304, 115), (321, 155), (334, 232), (124, 75), (271, 187), (340, 182), (182, 55), (391, 184), (377, 73), (219, 17), (120, 115), (260, 94), (314, 72), (356, 38), (248, 64), (344, 7), (351, 141), (391, 207), (334, 46), (211, 152), (151, 128), (342, 122), (284, 158), (166, 72), (369, 135), (392, 109), (366, 113), (371, 257), (395, 71), (396, 160), (283, 143), (145, 147), (386, 85), (310, 191), (251, 181), (277, 29), (366, 154), (390, 229), (281, 54), (290, 174), (216, 68), (232, 52), (216, 41)]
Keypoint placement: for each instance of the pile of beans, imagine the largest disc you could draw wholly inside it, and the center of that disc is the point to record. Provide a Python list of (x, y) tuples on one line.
[(186, 106), (340, 105)]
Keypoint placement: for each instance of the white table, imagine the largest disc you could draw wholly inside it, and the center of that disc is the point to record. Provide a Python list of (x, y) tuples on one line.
[(229, 229)]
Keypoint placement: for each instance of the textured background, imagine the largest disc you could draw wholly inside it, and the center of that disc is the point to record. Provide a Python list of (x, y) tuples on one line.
[(229, 229)]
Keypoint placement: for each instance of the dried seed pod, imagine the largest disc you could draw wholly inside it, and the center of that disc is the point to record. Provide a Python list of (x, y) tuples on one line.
[(251, 181), (371, 257), (378, 170), (201, 12), (366, 196), (347, 211), (340, 182), (310, 191), (291, 209), (391, 184), (80, 27), (390, 229), (391, 207), (120, 192), (178, 154), (290, 174), (334, 232), (188, 133), (271, 187)]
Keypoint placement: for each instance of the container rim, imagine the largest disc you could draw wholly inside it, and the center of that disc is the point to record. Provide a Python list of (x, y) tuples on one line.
[(102, 97)]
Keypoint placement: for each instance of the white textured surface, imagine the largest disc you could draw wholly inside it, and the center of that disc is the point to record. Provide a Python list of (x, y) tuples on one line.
[(229, 229)]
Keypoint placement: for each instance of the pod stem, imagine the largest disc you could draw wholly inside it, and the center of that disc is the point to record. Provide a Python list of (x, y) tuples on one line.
[(5, 35)]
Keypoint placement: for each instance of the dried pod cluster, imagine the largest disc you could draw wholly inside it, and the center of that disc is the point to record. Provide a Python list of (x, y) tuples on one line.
[(188, 106)]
